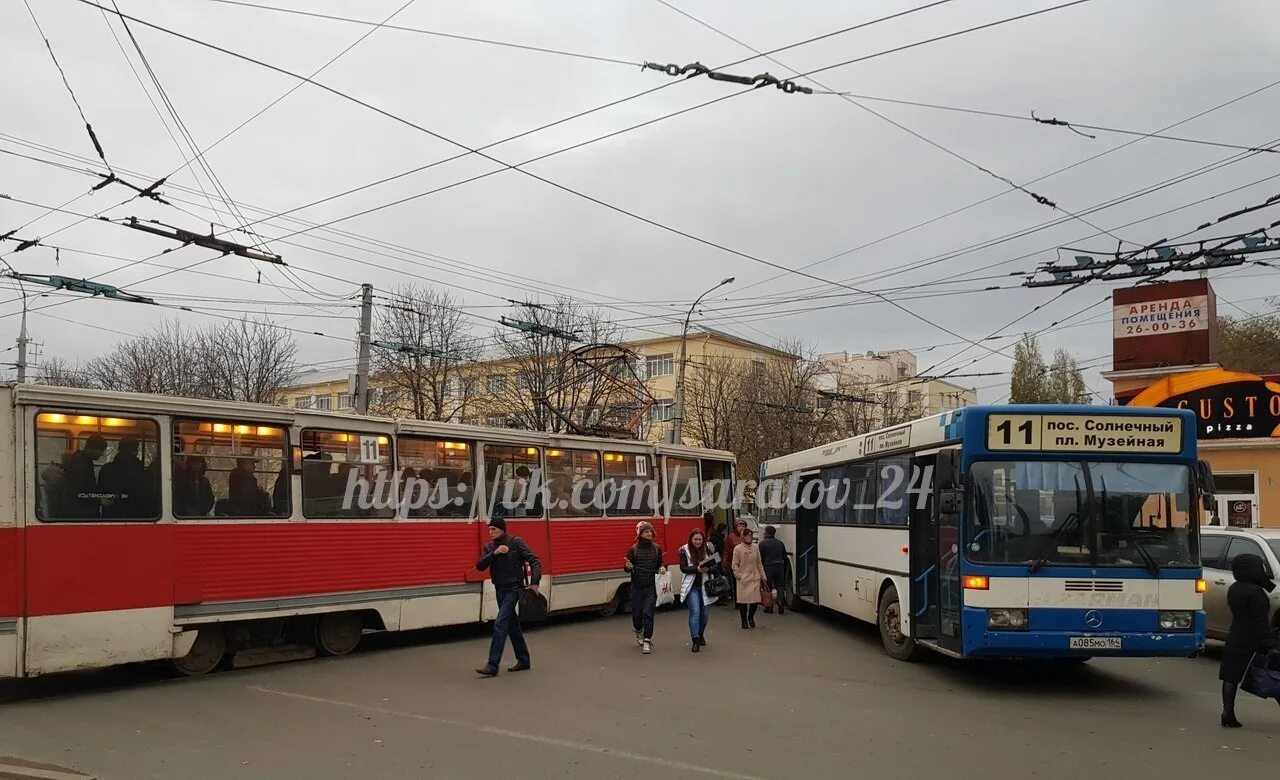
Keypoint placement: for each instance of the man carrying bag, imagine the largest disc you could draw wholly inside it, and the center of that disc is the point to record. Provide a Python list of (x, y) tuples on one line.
[(505, 557)]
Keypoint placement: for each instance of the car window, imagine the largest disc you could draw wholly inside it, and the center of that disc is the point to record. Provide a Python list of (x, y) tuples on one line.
[(1241, 546), (1211, 549)]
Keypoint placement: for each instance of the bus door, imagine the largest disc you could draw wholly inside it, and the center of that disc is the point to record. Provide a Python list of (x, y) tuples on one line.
[(923, 544), (806, 539), (948, 503)]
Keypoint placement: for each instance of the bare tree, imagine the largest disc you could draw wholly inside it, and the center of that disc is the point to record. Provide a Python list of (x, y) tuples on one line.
[(550, 385), (426, 349), (58, 372), (243, 360), (246, 360)]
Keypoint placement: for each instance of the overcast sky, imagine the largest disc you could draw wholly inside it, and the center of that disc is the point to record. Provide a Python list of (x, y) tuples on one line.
[(789, 179)]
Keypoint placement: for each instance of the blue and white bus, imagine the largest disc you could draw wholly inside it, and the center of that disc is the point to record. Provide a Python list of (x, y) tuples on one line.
[(1027, 531)]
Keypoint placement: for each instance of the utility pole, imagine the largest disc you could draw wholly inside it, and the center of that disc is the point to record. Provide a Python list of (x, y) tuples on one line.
[(678, 423), (362, 362), (22, 344)]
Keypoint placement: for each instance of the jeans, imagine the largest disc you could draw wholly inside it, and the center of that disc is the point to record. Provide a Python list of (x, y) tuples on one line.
[(507, 625), (778, 581), (643, 602), (698, 614)]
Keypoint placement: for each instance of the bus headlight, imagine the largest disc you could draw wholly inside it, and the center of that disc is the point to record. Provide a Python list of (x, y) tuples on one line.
[(1007, 619), (1176, 621)]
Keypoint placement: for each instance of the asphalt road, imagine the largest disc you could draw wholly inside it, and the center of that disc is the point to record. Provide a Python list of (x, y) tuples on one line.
[(802, 696)]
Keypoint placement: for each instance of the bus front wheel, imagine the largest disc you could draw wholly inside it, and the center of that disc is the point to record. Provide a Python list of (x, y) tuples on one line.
[(896, 643)]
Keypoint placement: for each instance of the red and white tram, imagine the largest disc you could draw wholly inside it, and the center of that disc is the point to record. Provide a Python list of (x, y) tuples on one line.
[(140, 527)]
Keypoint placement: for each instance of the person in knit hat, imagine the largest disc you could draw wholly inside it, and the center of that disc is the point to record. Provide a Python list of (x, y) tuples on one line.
[(505, 556), (644, 562)]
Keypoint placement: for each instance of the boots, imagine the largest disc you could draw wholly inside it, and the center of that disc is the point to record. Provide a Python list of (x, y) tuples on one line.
[(1229, 706)]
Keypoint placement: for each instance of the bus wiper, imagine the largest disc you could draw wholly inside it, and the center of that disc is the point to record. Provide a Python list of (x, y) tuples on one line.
[(1150, 562), (1052, 543), (1152, 566)]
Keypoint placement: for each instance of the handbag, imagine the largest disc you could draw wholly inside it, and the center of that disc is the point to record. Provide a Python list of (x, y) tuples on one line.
[(766, 597), (532, 607), (717, 585), (1261, 680), (666, 595)]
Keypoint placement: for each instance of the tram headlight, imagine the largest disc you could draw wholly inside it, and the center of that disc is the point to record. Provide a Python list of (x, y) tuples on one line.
[(1176, 621), (1007, 619)]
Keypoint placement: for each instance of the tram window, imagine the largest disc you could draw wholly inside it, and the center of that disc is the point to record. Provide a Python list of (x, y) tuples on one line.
[(631, 488), (436, 477), (573, 477), (334, 460), (228, 468), (683, 489), (509, 477), (92, 467), (893, 503), (717, 490)]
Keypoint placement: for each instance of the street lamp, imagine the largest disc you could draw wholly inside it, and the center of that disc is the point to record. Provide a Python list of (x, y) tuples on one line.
[(684, 335)]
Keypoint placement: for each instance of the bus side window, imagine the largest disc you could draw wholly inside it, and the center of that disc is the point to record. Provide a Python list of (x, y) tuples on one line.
[(96, 468)]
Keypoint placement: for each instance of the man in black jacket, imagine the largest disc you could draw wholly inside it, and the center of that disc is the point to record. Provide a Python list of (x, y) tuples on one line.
[(773, 554), (505, 557)]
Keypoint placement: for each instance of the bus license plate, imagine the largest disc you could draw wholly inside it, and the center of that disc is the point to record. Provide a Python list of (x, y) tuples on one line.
[(1094, 643)]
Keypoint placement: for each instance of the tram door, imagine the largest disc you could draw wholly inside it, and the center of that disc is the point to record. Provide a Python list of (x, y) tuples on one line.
[(806, 539)]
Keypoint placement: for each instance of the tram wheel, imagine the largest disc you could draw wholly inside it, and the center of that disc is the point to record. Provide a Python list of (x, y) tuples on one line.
[(612, 605), (205, 655), (896, 644), (338, 633)]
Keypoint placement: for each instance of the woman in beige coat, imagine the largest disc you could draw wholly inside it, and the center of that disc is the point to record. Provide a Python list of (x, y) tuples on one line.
[(748, 570)]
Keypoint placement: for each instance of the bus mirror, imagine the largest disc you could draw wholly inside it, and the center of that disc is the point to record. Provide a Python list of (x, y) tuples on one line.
[(1204, 473), (950, 501), (946, 470)]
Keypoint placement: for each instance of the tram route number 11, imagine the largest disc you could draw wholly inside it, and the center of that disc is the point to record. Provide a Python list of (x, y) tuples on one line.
[(369, 449)]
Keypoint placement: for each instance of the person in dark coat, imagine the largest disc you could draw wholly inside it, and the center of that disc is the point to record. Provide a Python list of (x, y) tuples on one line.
[(505, 557), (773, 553), (123, 481), (1250, 632), (644, 562), (82, 479)]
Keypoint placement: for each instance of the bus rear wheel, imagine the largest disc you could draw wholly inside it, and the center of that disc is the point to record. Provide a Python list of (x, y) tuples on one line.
[(338, 633), (897, 644)]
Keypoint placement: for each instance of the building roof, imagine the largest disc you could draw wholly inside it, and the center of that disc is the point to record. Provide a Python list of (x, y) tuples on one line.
[(714, 333), (319, 376)]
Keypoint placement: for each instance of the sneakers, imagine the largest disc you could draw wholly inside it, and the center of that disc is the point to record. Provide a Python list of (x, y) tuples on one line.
[(640, 638), (646, 646)]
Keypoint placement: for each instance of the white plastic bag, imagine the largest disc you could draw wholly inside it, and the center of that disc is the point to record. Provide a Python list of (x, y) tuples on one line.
[(666, 595)]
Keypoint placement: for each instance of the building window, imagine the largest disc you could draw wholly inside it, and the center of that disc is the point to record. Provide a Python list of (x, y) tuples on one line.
[(390, 396), (496, 383), (223, 469), (913, 397), (93, 468), (660, 365), (524, 381), (495, 420), (662, 410), (344, 400), (302, 402), (324, 402)]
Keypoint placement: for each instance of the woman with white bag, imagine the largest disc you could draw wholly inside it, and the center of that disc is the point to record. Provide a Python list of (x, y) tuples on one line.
[(644, 561), (696, 561)]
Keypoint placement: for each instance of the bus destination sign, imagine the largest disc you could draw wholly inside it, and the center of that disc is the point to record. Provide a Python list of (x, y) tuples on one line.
[(892, 439), (1110, 433)]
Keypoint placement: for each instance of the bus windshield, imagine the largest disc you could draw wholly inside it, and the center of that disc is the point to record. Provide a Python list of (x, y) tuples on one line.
[(1092, 513)]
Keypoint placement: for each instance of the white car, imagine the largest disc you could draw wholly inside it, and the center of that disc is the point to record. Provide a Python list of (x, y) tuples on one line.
[(1218, 547)]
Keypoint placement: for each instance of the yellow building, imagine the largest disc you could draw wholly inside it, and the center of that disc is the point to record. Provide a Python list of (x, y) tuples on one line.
[(483, 392)]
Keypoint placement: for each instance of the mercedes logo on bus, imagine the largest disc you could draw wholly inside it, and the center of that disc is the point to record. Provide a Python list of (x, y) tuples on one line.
[(1093, 619)]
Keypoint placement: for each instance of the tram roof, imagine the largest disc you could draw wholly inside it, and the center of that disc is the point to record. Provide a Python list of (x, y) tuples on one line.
[(126, 402)]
